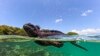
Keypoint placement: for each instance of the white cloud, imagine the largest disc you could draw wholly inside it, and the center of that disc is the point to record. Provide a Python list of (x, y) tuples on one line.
[(87, 31), (58, 20), (86, 13)]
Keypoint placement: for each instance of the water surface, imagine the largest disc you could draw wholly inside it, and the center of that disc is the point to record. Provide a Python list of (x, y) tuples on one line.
[(21, 46)]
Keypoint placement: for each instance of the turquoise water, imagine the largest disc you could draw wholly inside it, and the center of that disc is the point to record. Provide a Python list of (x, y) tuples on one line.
[(29, 48)]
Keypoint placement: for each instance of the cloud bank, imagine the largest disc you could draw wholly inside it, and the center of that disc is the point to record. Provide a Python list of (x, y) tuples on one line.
[(87, 31), (86, 13)]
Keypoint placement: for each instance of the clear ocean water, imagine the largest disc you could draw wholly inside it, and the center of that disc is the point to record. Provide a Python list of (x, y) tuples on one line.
[(21, 46)]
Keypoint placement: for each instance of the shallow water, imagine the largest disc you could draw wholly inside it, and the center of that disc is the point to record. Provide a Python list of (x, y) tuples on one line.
[(29, 48)]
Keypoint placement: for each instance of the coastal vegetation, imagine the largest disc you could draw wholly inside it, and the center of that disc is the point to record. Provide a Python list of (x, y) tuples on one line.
[(10, 30), (72, 33)]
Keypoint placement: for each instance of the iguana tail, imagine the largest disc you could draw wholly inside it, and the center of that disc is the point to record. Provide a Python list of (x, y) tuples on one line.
[(74, 43)]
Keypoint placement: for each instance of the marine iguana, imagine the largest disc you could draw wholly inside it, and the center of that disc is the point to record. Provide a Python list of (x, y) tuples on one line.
[(35, 31)]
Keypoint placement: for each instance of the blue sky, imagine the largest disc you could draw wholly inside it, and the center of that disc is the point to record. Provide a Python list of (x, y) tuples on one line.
[(63, 15)]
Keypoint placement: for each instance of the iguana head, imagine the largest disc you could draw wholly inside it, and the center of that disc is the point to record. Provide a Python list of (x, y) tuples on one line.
[(31, 30)]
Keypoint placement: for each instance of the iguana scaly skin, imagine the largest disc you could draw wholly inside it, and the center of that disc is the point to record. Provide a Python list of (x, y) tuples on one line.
[(35, 31)]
